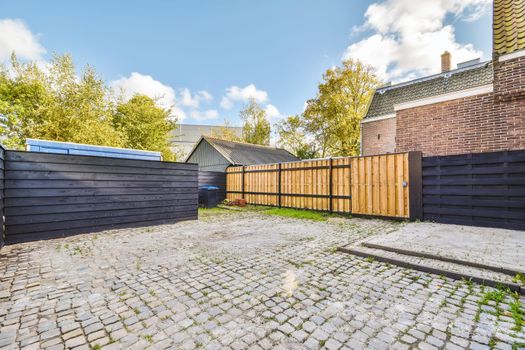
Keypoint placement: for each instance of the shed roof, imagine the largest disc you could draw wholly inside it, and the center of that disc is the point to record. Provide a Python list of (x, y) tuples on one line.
[(240, 153), (455, 80)]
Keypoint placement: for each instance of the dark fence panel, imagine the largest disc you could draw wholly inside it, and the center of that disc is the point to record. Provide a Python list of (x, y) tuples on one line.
[(52, 195), (481, 189), (2, 156), (214, 178)]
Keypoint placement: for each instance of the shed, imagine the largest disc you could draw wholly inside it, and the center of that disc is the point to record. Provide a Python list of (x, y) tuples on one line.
[(216, 155), (59, 147)]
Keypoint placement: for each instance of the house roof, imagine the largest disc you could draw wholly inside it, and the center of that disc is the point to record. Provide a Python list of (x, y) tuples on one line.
[(509, 26), (455, 80), (240, 153)]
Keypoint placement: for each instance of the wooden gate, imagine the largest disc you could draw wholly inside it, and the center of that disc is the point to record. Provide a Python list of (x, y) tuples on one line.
[(383, 185)]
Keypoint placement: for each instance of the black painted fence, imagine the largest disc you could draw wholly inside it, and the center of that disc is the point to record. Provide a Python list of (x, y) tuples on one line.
[(2, 155), (214, 178), (480, 189), (51, 195)]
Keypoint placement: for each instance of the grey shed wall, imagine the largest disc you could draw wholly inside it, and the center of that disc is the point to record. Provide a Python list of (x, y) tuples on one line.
[(208, 158)]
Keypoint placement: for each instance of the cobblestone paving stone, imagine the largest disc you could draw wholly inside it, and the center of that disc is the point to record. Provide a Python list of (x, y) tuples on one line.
[(238, 281)]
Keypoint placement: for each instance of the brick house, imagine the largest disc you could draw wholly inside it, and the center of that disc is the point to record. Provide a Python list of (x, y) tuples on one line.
[(477, 107)]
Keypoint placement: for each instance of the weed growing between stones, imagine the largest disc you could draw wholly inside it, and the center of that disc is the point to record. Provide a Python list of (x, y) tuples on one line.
[(519, 279)]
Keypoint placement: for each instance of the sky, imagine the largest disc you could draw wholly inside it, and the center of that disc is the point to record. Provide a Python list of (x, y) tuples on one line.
[(207, 58)]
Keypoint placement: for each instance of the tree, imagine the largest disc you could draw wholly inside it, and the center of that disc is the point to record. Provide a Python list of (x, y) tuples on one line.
[(256, 127), (226, 133), (145, 126), (80, 110), (22, 91), (334, 115), (55, 105), (293, 138)]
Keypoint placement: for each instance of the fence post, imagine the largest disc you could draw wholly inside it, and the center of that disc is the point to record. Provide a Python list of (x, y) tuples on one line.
[(415, 186), (330, 189), (279, 184), (242, 183)]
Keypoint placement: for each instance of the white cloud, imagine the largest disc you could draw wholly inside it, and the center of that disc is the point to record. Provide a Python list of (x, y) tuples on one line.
[(205, 96), (408, 37), (272, 112), (207, 115), (237, 94), (226, 103), (138, 83), (194, 101), (16, 36)]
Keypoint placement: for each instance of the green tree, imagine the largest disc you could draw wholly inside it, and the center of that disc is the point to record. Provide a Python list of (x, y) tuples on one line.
[(145, 126), (225, 133), (80, 110), (55, 105), (333, 117), (23, 91), (256, 127), (293, 138)]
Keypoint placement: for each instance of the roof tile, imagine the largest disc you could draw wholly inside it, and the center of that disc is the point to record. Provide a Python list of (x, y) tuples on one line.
[(509, 26), (385, 98)]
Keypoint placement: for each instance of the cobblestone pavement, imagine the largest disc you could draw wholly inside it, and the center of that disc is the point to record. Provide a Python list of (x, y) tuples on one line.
[(237, 281)]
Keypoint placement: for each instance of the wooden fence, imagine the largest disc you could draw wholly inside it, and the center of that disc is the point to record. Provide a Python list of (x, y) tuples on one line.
[(2, 156), (214, 178), (372, 185), (52, 195), (481, 189)]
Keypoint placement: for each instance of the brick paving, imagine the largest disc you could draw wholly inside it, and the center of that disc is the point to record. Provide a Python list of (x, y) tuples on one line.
[(241, 280)]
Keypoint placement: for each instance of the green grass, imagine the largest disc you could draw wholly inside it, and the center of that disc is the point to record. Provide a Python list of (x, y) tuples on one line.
[(518, 314), (148, 338), (299, 214), (204, 212)]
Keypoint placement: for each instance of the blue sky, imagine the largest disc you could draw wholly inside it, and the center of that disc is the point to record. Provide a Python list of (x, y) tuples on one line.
[(209, 57)]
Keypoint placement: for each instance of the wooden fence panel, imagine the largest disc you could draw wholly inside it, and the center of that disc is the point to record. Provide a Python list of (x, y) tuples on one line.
[(371, 185), (52, 195), (2, 231), (214, 178), (380, 185), (480, 189)]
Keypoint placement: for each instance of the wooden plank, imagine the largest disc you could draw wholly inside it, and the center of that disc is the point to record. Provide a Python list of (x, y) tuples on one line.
[(53, 175), (383, 186), (354, 178), (369, 195), (47, 201), (39, 227), (94, 228), (54, 192), (56, 184), (376, 208), (13, 220), (74, 208), (71, 160), (391, 186)]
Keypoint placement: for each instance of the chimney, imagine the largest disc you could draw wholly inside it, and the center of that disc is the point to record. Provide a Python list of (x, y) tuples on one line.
[(445, 61)]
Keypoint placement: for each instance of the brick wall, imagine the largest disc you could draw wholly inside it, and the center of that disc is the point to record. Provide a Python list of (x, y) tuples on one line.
[(379, 137), (482, 123), (463, 125), (509, 93)]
